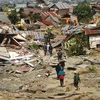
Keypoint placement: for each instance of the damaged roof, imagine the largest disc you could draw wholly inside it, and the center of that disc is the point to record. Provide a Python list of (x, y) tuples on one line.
[(54, 18), (92, 32), (74, 30), (65, 27), (19, 37), (4, 18), (57, 43), (58, 40), (48, 23)]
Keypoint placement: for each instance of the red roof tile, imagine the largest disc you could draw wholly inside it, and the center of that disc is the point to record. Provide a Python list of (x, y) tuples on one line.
[(90, 32)]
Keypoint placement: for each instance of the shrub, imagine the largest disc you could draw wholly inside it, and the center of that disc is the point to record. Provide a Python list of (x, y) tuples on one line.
[(34, 46), (76, 50), (92, 69), (77, 44)]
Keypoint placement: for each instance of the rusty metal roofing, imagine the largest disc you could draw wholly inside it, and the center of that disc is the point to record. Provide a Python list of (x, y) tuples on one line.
[(48, 23), (92, 32)]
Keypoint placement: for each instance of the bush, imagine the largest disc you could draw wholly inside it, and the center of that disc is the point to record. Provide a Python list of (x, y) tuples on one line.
[(34, 46), (76, 50), (77, 44), (92, 69)]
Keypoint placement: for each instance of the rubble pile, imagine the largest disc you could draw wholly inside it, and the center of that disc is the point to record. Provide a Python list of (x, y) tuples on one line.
[(23, 73)]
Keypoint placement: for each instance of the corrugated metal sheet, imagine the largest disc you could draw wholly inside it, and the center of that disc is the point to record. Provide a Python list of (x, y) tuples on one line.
[(3, 52), (60, 5), (65, 27), (46, 1), (74, 30), (4, 18), (46, 14), (57, 43), (54, 18), (21, 6), (50, 5), (37, 35), (4, 58)]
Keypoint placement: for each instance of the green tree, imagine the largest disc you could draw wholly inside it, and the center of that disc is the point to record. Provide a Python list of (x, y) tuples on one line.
[(13, 16), (37, 17), (76, 46), (34, 17), (83, 11), (21, 12)]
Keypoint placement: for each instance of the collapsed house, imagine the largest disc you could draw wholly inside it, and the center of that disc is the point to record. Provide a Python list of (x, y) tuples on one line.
[(12, 50), (70, 33)]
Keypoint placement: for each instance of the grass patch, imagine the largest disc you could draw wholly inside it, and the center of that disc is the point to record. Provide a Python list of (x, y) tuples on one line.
[(34, 46), (92, 69)]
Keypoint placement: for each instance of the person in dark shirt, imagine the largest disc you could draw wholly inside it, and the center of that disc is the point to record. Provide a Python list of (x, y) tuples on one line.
[(61, 75), (58, 67), (45, 48), (62, 63), (76, 80), (59, 54), (50, 49)]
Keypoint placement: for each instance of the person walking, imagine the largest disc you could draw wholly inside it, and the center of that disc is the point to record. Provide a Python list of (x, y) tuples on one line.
[(59, 54), (61, 77), (76, 79), (45, 48), (50, 49), (62, 63), (58, 67)]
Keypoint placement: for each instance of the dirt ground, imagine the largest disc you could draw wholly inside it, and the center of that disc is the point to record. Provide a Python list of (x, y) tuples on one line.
[(35, 85)]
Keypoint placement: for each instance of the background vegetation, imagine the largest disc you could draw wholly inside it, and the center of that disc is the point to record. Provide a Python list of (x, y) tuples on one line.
[(84, 12)]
